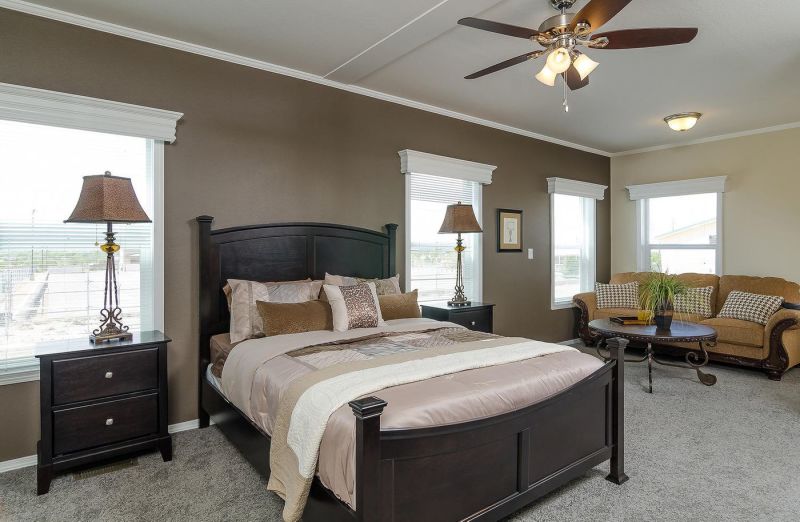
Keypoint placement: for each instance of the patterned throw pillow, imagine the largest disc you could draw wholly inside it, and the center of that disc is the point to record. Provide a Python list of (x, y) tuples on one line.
[(755, 308), (695, 301), (245, 319), (354, 306), (617, 296)]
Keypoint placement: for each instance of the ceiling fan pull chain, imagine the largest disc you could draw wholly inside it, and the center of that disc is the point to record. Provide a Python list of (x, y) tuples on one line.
[(565, 104)]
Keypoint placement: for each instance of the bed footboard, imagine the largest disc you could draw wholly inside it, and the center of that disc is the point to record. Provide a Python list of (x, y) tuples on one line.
[(490, 468)]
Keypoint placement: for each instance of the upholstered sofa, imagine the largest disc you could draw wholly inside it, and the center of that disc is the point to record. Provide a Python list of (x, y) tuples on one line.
[(774, 347)]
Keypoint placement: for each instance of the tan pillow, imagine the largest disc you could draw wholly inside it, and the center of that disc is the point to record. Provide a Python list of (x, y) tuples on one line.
[(289, 318), (354, 306), (386, 286), (245, 321), (399, 306)]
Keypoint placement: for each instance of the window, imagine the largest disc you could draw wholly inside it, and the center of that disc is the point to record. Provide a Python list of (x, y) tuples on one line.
[(52, 273), (573, 232), (679, 226), (431, 256), (432, 183)]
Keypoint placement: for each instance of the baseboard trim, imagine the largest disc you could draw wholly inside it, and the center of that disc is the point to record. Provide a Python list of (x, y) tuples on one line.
[(30, 460)]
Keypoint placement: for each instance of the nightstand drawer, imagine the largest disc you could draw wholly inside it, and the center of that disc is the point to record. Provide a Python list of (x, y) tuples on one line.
[(87, 427), (97, 376), (479, 320)]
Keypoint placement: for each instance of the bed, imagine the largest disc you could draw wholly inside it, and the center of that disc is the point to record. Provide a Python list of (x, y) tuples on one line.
[(479, 467)]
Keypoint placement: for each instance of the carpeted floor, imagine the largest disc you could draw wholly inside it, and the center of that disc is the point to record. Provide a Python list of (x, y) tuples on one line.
[(728, 452)]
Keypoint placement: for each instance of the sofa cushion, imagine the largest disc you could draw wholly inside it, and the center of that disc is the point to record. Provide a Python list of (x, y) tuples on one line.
[(757, 285), (617, 296), (736, 331), (605, 313)]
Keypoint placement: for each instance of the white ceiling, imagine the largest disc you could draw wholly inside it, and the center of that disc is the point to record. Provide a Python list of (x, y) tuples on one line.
[(742, 71)]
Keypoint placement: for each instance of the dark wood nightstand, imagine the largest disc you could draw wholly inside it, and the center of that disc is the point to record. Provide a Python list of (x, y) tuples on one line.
[(101, 401), (477, 316)]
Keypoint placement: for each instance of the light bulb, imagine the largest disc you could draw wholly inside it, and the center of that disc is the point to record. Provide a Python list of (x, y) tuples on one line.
[(584, 65), (547, 76), (559, 60)]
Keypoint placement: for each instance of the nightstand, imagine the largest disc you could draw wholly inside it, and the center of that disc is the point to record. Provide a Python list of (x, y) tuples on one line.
[(101, 401), (477, 316)]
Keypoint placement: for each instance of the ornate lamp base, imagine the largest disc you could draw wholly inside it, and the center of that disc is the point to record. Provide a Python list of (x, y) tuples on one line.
[(459, 299), (111, 327)]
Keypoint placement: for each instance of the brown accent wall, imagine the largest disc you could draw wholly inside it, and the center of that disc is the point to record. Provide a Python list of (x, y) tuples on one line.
[(255, 147)]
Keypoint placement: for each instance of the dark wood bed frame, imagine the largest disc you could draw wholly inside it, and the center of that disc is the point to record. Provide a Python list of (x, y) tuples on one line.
[(485, 469)]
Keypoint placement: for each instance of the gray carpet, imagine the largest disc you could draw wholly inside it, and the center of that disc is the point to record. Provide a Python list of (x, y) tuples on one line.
[(729, 452)]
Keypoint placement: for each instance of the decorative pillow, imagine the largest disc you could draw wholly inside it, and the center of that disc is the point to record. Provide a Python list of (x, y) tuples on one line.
[(388, 286), (399, 306), (354, 306), (755, 308), (227, 288), (695, 301), (289, 318), (245, 321), (617, 296)]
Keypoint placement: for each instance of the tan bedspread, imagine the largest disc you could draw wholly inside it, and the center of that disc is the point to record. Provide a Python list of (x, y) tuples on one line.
[(258, 373)]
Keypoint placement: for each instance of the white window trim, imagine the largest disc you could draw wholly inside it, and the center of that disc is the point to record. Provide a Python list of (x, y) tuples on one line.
[(641, 193), (415, 162), (592, 192), (56, 109)]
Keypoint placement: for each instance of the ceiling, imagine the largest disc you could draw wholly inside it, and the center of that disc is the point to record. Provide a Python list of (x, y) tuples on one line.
[(415, 50)]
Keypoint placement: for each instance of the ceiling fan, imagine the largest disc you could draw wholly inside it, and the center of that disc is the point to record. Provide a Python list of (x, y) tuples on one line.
[(563, 34)]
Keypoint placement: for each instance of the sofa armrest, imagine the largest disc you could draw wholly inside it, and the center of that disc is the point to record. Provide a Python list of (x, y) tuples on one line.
[(587, 304), (791, 306), (782, 336)]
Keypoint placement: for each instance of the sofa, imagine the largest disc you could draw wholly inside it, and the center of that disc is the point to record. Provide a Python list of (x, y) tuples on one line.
[(773, 348)]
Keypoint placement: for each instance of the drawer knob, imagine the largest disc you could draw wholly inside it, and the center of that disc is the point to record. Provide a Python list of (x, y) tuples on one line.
[(109, 421), (472, 323), (109, 375)]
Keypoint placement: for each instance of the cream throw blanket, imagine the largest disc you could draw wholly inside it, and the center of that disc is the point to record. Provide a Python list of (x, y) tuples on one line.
[(312, 399)]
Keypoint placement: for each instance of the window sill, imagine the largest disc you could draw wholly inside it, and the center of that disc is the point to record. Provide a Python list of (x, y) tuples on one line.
[(563, 305), (24, 370)]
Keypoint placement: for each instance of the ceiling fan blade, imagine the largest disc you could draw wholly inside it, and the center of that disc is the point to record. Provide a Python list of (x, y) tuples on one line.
[(598, 12), (574, 81), (502, 65), (499, 27), (637, 38)]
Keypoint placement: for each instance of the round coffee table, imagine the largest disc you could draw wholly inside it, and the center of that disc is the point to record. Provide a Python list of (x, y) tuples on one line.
[(680, 332)]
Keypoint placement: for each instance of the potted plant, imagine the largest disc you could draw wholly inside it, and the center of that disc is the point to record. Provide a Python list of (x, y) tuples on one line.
[(657, 295)]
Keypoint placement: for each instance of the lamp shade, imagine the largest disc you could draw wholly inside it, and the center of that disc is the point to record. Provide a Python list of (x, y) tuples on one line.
[(459, 219), (107, 199)]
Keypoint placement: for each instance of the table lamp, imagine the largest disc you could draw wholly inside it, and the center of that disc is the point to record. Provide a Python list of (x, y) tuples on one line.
[(459, 219), (108, 199)]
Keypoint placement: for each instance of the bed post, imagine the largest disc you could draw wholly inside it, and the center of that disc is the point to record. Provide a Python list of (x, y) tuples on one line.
[(204, 350), (391, 230), (616, 347), (368, 457)]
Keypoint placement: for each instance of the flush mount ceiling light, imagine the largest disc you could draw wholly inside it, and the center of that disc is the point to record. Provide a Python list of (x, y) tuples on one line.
[(562, 34), (683, 121)]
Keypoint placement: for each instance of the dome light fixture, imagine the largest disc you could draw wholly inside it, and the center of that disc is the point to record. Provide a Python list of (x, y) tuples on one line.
[(683, 121)]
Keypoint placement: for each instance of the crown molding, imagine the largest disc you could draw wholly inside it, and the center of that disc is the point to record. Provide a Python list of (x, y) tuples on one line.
[(414, 162), (30, 105), (720, 137), (571, 187), (677, 188), (163, 41)]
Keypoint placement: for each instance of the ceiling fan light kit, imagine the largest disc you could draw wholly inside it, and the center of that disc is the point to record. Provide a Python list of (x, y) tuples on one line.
[(683, 121), (562, 34)]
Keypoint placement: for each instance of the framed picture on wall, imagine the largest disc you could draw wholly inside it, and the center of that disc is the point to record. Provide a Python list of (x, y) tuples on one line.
[(509, 230)]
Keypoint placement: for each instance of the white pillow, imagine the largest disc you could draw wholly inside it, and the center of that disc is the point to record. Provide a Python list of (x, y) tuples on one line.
[(388, 286), (354, 306), (245, 319)]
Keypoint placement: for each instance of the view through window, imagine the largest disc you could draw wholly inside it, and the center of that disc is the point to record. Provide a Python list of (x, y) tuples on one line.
[(681, 234), (573, 246), (52, 273), (432, 258)]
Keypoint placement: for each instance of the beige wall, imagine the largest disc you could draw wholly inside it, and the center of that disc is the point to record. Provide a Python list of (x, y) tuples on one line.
[(761, 206), (254, 147)]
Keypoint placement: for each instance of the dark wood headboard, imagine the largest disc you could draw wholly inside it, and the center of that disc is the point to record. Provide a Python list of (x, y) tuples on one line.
[(282, 252)]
